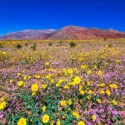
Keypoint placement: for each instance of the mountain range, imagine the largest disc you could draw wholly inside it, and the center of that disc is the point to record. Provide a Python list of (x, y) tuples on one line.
[(65, 33)]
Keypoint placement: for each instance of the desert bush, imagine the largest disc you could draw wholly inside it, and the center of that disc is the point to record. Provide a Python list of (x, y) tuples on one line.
[(109, 45), (26, 44), (72, 44), (1, 45), (105, 39), (50, 44), (60, 42), (18, 46), (33, 47)]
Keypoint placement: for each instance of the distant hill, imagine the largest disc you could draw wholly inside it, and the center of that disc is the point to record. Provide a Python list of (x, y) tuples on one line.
[(28, 34), (65, 33)]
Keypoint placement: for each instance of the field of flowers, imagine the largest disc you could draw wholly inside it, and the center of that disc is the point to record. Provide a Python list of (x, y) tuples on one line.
[(62, 82)]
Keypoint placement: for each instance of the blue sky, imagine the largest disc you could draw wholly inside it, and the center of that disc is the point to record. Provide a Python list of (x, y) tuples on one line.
[(43, 14)]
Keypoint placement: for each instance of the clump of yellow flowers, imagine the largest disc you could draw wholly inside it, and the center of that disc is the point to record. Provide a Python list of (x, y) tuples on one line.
[(2, 103), (114, 86)]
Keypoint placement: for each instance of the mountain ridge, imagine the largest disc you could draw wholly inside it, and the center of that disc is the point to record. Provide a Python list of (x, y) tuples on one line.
[(68, 32)]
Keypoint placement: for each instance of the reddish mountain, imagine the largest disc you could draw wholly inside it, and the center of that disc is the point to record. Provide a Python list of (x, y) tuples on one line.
[(66, 33), (75, 32)]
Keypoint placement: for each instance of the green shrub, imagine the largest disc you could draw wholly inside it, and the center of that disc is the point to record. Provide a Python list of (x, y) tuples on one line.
[(33, 47), (72, 44), (26, 44), (50, 44), (110, 45), (1, 46), (105, 39), (18, 46)]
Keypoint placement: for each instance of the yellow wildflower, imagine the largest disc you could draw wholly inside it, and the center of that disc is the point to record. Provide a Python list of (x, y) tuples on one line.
[(117, 61), (72, 83), (18, 74), (80, 87), (76, 70), (66, 87), (11, 80), (23, 71), (94, 117), (51, 69), (34, 87), (80, 123), (22, 121), (48, 76), (45, 118), (20, 83), (4, 53), (82, 92), (44, 86), (89, 72), (77, 80), (2, 105), (70, 71), (90, 92), (52, 123), (80, 59), (101, 85), (1, 99), (57, 85), (63, 103), (83, 67), (114, 86), (47, 63), (60, 81), (88, 97), (102, 92), (108, 92), (33, 93), (69, 102), (88, 83), (99, 101), (25, 77), (37, 76), (52, 81), (115, 102), (43, 108), (100, 73), (75, 114), (58, 122), (95, 67)]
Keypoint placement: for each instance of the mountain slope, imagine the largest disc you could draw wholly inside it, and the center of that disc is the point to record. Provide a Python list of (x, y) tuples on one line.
[(74, 32), (66, 33), (28, 34)]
